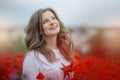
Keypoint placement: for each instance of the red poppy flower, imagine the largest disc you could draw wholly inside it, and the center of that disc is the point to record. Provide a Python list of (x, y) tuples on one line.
[(40, 76), (77, 56), (67, 68)]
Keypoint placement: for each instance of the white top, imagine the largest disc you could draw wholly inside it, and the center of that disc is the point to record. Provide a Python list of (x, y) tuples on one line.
[(32, 66)]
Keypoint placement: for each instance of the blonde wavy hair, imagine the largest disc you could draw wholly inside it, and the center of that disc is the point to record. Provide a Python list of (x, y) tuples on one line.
[(35, 41)]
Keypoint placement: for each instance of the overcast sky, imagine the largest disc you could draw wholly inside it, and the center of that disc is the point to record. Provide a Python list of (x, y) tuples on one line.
[(16, 13)]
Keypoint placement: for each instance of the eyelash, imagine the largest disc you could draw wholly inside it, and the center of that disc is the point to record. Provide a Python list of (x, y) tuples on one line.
[(45, 21), (53, 17)]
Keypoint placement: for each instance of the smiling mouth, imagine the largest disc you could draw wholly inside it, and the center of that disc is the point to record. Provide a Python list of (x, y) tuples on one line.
[(53, 27)]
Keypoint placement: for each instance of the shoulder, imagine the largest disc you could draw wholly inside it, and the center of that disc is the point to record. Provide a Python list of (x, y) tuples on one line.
[(31, 56)]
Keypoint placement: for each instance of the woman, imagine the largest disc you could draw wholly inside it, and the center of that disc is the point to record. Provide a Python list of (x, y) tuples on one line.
[(49, 47)]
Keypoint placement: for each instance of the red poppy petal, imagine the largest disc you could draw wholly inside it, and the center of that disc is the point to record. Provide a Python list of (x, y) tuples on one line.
[(40, 76)]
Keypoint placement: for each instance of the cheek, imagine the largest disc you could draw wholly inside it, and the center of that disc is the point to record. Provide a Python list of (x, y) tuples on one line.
[(59, 28), (45, 29), (45, 26), (58, 24)]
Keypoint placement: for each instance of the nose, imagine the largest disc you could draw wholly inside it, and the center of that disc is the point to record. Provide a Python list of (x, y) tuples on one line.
[(51, 22)]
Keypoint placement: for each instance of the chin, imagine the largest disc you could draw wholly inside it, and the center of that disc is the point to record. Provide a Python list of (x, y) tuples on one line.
[(56, 31), (53, 33)]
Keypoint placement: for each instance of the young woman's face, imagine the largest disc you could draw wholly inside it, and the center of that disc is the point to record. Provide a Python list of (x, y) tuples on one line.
[(51, 25)]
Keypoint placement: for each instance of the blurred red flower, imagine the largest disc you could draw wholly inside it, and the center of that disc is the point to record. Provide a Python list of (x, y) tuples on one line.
[(40, 76), (10, 66), (92, 68)]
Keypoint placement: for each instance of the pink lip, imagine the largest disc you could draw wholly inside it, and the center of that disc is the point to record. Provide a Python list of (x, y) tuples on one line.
[(53, 27)]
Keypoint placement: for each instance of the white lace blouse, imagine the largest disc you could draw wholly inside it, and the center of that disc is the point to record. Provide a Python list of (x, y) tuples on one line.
[(32, 66)]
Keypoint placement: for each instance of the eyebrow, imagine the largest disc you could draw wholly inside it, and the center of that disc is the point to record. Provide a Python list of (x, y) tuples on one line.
[(50, 16)]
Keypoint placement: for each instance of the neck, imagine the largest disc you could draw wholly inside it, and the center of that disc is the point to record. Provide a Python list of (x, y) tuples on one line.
[(52, 42)]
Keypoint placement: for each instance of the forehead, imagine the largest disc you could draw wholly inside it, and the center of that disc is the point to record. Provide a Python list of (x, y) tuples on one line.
[(47, 14)]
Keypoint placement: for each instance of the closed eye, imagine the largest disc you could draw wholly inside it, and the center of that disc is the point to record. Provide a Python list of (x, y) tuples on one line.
[(53, 17), (45, 21)]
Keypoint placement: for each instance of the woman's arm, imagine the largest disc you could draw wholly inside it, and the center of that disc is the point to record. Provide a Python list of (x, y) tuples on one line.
[(30, 70)]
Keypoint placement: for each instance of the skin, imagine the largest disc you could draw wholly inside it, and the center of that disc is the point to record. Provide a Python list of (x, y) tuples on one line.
[(51, 27)]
